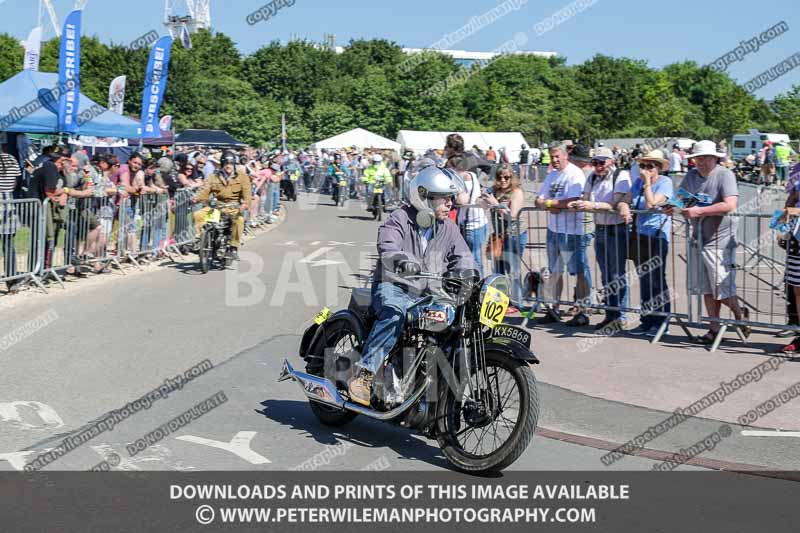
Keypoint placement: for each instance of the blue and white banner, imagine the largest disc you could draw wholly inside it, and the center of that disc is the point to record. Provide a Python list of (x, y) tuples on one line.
[(69, 73), (33, 47), (155, 83)]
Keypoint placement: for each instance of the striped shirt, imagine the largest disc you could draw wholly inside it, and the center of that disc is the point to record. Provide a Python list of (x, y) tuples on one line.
[(9, 173)]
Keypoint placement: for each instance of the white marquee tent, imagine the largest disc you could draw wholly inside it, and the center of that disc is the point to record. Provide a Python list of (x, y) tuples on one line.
[(422, 141), (358, 137)]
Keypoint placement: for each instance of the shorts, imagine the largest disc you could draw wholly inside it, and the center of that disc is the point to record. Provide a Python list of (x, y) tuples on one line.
[(567, 249), (711, 270)]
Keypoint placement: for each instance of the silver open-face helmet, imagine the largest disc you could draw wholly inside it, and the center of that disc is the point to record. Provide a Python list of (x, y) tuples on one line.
[(429, 183)]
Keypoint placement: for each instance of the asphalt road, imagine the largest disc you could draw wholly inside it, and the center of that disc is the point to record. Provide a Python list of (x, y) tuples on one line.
[(111, 342)]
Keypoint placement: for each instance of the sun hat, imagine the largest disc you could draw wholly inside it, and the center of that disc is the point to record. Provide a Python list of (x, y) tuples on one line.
[(603, 153), (657, 157), (705, 148)]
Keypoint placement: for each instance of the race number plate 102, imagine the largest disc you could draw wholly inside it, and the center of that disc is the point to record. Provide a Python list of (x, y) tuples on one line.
[(493, 307)]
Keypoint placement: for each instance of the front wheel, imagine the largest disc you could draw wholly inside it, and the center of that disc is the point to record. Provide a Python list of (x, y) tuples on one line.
[(487, 434), (205, 252)]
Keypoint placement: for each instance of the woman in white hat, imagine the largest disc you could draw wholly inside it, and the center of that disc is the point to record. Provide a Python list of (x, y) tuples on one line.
[(649, 240)]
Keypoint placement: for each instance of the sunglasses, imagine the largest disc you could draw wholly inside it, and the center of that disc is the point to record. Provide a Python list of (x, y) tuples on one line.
[(598, 162), (503, 178), (647, 166)]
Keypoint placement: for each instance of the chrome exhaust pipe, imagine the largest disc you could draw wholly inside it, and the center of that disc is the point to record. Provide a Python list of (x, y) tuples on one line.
[(314, 387), (387, 415), (322, 390)]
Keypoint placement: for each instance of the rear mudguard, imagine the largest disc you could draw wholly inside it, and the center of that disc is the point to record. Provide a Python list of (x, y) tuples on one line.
[(512, 348), (314, 336)]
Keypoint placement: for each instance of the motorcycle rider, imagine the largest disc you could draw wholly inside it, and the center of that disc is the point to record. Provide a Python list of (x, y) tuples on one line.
[(228, 185), (376, 176), (414, 238), (333, 175)]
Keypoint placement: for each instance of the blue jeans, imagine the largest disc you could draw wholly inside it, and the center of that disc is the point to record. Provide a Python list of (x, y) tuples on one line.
[(276, 196), (390, 303), (655, 294), (510, 263), (611, 249), (476, 238)]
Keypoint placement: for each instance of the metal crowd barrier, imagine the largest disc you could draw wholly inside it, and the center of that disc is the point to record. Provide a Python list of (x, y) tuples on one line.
[(22, 227), (182, 232), (143, 226), (561, 266), (77, 234), (154, 236), (740, 264)]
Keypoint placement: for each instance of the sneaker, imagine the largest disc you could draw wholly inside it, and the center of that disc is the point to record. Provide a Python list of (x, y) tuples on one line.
[(578, 321), (792, 347), (641, 329), (360, 387), (551, 317)]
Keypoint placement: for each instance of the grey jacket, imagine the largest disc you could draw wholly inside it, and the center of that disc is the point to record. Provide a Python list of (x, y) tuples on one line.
[(399, 240)]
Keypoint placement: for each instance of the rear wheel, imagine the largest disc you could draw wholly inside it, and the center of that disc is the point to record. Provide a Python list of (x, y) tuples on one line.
[(204, 252), (338, 342), (488, 434)]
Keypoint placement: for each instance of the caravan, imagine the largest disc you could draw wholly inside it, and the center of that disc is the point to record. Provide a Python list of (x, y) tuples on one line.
[(746, 143)]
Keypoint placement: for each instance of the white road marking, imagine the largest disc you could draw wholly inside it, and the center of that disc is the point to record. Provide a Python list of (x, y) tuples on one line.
[(337, 243), (9, 412), (19, 459), (309, 259), (776, 433), (315, 243), (239, 445)]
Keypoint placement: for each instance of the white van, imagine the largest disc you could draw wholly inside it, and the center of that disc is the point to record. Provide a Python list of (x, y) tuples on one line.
[(746, 143)]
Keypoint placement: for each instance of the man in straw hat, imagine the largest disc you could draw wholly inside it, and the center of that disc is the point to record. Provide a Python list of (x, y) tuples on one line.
[(713, 244)]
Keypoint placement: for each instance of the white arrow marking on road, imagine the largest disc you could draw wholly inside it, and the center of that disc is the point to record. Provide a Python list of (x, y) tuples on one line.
[(19, 459), (289, 243), (755, 433), (337, 243), (309, 259), (239, 445), (9, 412), (314, 243)]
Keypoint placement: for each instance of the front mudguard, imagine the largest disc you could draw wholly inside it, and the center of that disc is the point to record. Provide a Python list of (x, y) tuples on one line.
[(512, 348)]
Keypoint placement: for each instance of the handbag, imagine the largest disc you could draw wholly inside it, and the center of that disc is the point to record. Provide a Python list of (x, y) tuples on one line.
[(494, 248)]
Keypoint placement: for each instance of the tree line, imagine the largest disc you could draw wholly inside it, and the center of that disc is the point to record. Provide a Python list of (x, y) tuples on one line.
[(373, 86)]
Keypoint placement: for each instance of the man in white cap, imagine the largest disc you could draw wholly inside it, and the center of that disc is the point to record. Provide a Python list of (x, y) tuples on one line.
[(712, 273)]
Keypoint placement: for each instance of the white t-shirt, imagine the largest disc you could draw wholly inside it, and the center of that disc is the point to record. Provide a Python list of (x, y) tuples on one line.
[(559, 185), (600, 191), (536, 155), (473, 217), (675, 162)]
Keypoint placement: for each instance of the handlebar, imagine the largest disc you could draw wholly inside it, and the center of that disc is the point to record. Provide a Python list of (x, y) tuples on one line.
[(226, 205)]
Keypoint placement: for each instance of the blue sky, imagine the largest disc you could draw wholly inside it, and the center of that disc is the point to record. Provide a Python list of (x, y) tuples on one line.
[(659, 33)]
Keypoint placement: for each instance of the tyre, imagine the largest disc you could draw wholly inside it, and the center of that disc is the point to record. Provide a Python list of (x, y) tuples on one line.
[(204, 252), (509, 379), (378, 212), (338, 341)]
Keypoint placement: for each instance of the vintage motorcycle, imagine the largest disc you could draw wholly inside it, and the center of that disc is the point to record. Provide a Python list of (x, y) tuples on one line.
[(340, 187), (215, 235), (457, 375), (377, 205)]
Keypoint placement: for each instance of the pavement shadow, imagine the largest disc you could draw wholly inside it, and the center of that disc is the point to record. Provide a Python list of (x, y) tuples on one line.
[(362, 432), (356, 217)]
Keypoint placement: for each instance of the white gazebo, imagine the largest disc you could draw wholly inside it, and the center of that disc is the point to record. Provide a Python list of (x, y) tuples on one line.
[(359, 138)]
